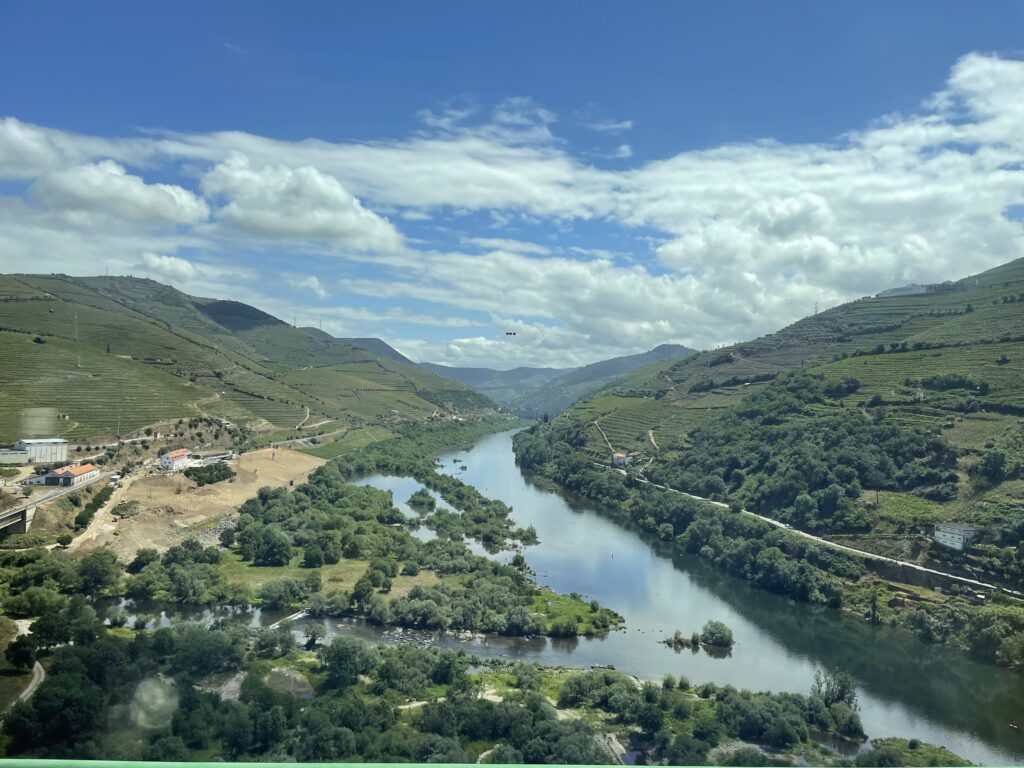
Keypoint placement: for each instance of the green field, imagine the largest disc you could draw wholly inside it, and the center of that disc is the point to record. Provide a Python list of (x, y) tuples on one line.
[(350, 441)]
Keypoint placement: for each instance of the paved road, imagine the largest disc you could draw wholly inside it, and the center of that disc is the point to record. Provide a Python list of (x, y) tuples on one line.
[(842, 547)]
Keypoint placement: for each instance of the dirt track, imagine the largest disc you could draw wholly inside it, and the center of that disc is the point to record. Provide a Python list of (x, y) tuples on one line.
[(171, 508)]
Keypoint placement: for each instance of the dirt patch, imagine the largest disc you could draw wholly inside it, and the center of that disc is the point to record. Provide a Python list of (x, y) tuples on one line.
[(228, 688), (170, 508), (284, 680)]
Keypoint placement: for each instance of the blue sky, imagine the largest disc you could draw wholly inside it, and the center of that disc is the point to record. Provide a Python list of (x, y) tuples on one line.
[(599, 177)]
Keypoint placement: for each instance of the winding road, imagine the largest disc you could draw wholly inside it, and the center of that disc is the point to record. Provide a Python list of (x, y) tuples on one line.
[(832, 544)]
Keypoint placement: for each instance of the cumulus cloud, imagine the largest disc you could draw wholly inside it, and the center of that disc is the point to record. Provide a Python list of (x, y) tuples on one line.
[(25, 150), (170, 267), (309, 283), (710, 245), (107, 187), (277, 201)]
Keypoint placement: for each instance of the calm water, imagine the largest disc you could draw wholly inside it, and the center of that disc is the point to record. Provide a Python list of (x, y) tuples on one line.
[(907, 688)]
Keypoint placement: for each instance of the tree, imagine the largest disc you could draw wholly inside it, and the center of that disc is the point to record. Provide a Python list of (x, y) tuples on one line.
[(717, 634), (834, 687), (227, 537), (65, 539), (21, 652), (346, 658), (99, 570), (169, 749), (313, 632)]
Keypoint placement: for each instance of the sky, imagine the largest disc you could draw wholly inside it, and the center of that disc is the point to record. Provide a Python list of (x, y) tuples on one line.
[(598, 178)]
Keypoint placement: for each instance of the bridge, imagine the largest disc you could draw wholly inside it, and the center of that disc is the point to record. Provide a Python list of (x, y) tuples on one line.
[(19, 519)]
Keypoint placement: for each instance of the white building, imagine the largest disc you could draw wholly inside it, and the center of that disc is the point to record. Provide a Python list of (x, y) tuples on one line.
[(175, 460), (50, 450), (9, 456), (620, 459), (955, 535)]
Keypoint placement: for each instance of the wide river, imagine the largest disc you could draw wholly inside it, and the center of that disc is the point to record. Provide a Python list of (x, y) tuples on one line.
[(906, 687)]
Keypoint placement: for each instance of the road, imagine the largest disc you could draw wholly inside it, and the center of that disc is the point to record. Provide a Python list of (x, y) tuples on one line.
[(38, 676), (833, 545), (38, 673), (104, 515)]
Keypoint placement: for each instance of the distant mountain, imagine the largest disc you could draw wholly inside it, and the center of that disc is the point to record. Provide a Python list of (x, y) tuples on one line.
[(85, 357), (503, 387), (376, 346), (562, 391)]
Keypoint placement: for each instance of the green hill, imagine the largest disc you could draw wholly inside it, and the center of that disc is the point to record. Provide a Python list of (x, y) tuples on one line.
[(88, 357), (864, 422), (558, 394)]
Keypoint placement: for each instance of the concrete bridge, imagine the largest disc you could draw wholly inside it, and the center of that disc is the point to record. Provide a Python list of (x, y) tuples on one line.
[(17, 519)]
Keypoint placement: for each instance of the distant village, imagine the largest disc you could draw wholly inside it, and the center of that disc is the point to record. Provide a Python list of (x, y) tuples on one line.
[(50, 459)]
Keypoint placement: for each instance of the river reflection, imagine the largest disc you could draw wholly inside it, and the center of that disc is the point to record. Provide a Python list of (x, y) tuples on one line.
[(907, 688)]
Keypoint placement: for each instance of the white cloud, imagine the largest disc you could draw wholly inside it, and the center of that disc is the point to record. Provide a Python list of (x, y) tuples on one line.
[(310, 283), (623, 151), (25, 150), (610, 126), (280, 202), (720, 244), (171, 268), (105, 187), (504, 244)]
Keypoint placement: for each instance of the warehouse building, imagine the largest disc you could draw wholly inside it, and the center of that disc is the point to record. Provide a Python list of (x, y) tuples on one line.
[(50, 450), (10, 456), (77, 475)]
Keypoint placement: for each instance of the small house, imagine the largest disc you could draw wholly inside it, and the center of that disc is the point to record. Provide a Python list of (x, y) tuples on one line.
[(175, 460), (955, 535)]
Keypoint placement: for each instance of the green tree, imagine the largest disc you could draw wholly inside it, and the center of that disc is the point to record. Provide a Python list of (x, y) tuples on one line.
[(99, 571)]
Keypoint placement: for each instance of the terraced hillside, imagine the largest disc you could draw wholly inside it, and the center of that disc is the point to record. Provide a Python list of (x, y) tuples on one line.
[(974, 326), (94, 357), (868, 423)]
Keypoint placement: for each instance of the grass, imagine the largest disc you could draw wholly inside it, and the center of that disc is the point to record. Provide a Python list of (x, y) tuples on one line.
[(904, 508), (12, 680), (341, 575), (351, 441), (556, 607), (920, 754), (128, 353)]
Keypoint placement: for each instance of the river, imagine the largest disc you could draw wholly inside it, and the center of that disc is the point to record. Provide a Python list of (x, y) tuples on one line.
[(906, 687)]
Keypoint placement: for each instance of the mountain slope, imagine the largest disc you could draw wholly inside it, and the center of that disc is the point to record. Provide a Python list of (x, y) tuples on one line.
[(504, 387), (149, 352), (866, 423), (377, 346), (964, 327), (561, 392)]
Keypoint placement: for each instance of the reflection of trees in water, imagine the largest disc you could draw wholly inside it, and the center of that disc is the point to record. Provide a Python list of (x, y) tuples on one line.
[(888, 663)]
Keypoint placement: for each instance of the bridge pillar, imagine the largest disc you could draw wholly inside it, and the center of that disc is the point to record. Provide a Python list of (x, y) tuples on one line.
[(25, 523)]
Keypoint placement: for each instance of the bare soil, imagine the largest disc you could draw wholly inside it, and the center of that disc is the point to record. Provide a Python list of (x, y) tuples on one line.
[(170, 508)]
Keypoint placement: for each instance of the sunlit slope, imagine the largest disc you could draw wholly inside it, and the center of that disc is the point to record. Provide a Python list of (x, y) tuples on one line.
[(194, 356), (974, 327)]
